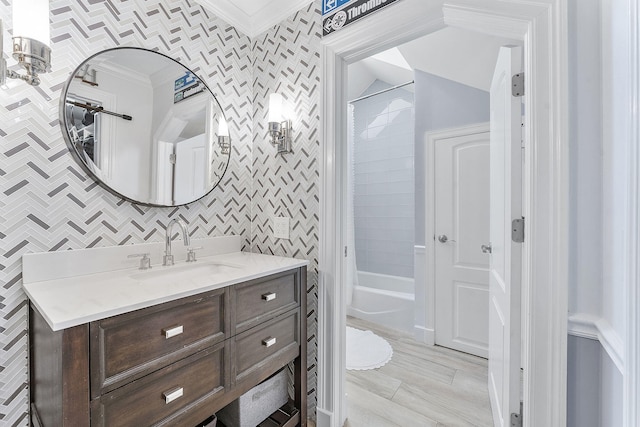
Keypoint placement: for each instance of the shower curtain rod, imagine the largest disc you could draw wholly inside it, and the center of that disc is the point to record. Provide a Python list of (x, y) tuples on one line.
[(381, 91)]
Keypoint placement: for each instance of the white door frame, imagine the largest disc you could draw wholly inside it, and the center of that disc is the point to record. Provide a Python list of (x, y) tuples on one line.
[(430, 139), (541, 25), (631, 373)]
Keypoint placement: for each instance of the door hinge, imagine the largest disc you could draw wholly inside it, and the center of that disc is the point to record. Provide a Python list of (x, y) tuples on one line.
[(172, 159), (345, 251), (517, 85), (517, 230), (516, 419)]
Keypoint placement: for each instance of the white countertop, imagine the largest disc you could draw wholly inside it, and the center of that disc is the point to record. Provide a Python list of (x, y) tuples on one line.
[(71, 301)]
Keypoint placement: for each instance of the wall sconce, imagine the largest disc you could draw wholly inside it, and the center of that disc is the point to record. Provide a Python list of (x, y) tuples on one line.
[(30, 41), (279, 127), (223, 136)]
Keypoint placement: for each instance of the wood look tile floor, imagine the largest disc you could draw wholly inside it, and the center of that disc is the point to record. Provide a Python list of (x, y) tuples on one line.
[(421, 386)]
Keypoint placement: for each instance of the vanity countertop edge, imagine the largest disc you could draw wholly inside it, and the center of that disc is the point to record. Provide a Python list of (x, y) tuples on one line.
[(72, 301)]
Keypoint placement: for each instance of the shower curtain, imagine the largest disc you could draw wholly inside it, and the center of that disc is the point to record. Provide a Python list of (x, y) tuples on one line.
[(352, 270)]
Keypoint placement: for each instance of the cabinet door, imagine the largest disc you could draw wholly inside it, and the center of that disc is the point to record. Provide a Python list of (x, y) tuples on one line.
[(258, 300), (261, 351), (129, 346), (187, 388)]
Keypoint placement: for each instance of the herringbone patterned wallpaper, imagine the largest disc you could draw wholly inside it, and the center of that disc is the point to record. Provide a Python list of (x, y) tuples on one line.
[(286, 60), (47, 203)]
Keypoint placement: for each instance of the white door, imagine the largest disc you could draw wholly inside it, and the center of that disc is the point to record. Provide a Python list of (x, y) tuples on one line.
[(461, 226), (191, 172), (505, 205), (162, 185)]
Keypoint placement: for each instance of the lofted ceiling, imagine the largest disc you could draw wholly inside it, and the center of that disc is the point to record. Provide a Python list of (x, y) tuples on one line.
[(463, 56), (253, 17)]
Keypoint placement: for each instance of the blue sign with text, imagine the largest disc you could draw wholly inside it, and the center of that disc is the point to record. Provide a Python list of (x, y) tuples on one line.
[(330, 5), (352, 11), (187, 80)]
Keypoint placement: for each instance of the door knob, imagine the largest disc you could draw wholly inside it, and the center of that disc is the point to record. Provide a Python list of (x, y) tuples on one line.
[(443, 238), (486, 249)]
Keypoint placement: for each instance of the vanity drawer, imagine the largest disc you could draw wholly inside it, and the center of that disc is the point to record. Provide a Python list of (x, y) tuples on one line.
[(266, 348), (129, 346), (174, 392), (260, 299)]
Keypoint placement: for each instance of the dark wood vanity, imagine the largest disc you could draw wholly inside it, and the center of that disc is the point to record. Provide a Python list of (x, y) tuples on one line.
[(175, 363)]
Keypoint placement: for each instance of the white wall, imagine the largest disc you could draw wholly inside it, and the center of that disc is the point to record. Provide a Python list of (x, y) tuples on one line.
[(616, 116), (611, 389), (584, 400), (599, 87), (616, 83), (585, 129), (583, 381), (441, 104)]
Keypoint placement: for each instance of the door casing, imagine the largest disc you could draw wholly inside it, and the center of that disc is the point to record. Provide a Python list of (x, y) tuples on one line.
[(541, 26)]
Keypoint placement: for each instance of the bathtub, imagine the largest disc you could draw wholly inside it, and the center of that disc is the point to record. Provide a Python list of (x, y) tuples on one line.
[(384, 300)]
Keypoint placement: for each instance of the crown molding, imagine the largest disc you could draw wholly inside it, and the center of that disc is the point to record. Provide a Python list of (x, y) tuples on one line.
[(229, 12), (253, 24)]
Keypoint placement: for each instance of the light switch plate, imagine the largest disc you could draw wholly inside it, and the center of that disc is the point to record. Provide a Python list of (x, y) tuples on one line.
[(281, 227)]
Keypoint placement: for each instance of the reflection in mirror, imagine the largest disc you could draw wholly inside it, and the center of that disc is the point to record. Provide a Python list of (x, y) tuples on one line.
[(145, 127)]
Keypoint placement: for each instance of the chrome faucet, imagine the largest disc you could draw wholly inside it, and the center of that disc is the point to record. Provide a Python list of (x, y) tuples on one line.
[(168, 258)]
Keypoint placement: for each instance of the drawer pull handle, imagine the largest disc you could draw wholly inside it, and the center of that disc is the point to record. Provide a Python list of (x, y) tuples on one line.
[(269, 297), (170, 396), (172, 332), (269, 342)]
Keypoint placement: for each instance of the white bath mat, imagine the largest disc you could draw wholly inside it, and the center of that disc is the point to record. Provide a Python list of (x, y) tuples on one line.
[(366, 350)]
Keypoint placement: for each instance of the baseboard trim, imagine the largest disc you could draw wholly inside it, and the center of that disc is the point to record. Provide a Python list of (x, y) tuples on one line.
[(425, 335), (323, 418), (596, 328)]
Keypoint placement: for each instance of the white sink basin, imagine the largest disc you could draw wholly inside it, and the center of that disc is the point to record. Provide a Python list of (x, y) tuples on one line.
[(191, 271)]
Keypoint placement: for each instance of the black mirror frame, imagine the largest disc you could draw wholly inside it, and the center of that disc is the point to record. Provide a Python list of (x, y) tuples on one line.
[(72, 149)]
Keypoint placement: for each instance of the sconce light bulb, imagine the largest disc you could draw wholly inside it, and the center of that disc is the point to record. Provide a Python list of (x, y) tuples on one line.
[(223, 128), (275, 108), (31, 20)]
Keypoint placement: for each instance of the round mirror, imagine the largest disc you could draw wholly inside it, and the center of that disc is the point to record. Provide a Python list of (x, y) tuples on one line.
[(145, 127)]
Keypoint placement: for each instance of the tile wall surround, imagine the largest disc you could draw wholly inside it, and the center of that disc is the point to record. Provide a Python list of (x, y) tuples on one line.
[(48, 203), (383, 178), (286, 59)]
